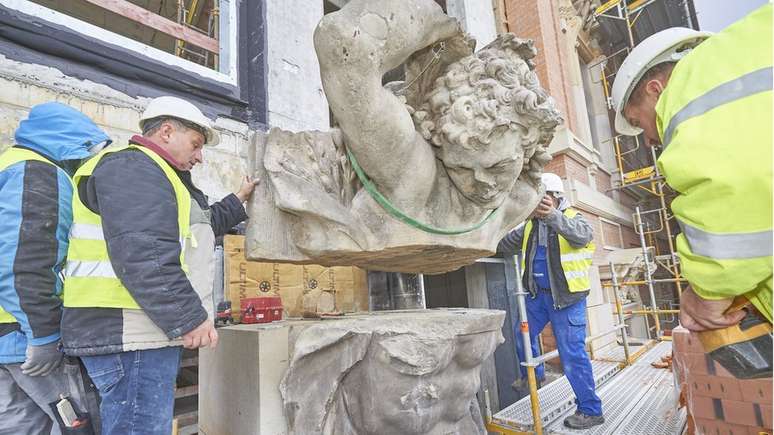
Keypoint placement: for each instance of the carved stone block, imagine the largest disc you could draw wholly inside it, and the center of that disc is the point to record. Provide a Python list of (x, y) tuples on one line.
[(422, 176)]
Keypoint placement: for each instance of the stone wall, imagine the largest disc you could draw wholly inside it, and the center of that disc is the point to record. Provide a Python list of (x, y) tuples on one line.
[(23, 85)]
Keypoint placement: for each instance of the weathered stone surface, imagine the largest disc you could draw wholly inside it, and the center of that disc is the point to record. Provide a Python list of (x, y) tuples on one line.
[(463, 137), (405, 372), (394, 372)]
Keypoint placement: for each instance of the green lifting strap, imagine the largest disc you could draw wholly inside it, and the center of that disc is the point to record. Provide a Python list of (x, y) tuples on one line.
[(397, 214)]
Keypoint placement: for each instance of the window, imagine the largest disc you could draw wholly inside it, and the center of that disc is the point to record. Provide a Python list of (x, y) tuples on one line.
[(198, 36), (612, 235)]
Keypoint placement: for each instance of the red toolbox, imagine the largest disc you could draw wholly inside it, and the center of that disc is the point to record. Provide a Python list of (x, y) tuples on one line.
[(261, 310)]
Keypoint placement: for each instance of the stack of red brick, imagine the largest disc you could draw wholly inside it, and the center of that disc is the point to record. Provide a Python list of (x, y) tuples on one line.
[(719, 403)]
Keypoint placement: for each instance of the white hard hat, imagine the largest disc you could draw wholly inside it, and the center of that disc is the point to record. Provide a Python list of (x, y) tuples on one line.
[(552, 182), (180, 109), (668, 45)]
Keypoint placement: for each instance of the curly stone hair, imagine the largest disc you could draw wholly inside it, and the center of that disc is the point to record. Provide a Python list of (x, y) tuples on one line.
[(494, 88)]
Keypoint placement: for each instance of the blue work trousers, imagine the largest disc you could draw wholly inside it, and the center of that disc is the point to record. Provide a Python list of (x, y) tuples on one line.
[(569, 326), (137, 389)]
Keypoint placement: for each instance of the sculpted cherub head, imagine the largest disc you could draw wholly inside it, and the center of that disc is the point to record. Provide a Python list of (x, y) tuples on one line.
[(485, 115)]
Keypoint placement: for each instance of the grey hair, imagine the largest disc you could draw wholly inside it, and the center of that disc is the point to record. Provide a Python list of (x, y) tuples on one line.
[(152, 126)]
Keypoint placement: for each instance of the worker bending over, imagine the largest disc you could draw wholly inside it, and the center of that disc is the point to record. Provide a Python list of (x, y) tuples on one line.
[(707, 101), (558, 250), (139, 273)]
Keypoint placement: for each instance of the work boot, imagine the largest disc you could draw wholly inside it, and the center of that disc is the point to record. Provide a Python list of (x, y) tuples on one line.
[(583, 421)]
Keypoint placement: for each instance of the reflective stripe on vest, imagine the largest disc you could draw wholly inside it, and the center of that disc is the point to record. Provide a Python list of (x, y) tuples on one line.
[(10, 157), (740, 87), (728, 246), (90, 280), (715, 115), (575, 261)]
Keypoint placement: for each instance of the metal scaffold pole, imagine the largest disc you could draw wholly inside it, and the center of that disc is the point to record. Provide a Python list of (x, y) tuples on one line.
[(648, 272), (528, 363), (619, 309)]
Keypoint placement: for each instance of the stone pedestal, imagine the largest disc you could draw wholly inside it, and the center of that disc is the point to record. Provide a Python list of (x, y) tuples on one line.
[(407, 372)]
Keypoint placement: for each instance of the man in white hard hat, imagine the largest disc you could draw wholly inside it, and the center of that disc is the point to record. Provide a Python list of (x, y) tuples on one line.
[(139, 271), (557, 251), (707, 100)]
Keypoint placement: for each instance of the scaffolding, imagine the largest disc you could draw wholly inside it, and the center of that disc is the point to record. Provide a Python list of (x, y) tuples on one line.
[(642, 179), (651, 224)]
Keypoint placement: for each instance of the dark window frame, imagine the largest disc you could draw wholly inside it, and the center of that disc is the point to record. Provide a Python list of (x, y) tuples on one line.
[(31, 39)]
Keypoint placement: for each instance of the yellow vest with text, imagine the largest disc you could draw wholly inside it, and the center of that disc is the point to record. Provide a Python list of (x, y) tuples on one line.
[(714, 119), (90, 280), (575, 261), (8, 158)]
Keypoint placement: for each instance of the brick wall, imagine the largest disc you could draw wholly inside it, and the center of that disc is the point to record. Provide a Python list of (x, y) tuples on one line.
[(718, 402), (612, 235), (604, 183), (566, 167), (538, 20), (631, 239)]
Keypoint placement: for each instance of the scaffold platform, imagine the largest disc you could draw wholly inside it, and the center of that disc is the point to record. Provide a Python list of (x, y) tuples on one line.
[(638, 399)]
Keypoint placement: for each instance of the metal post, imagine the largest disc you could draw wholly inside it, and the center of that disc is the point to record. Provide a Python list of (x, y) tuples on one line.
[(628, 23), (648, 276), (665, 210), (421, 290), (618, 308), (524, 328)]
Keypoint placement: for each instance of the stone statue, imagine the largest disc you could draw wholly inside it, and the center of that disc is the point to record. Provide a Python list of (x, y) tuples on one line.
[(408, 373), (449, 159)]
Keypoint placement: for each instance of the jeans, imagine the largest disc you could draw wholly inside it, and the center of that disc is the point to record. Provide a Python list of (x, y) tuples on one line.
[(25, 401), (569, 326), (137, 389)]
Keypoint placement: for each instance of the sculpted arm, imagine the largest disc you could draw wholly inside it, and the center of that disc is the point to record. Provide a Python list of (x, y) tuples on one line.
[(356, 46)]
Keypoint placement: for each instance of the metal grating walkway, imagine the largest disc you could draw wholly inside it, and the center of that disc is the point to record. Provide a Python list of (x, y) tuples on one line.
[(556, 399), (636, 400), (639, 400)]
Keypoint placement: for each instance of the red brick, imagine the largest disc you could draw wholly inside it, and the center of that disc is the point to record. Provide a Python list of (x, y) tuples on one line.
[(765, 411), (703, 407), (757, 390), (715, 386), (696, 364), (737, 412), (715, 427)]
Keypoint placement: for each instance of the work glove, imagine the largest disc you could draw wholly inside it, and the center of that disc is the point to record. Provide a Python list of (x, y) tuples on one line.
[(41, 360)]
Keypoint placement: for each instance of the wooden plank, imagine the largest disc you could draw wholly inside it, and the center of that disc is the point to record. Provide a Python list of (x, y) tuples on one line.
[(187, 376), (186, 391), (157, 22), (189, 362)]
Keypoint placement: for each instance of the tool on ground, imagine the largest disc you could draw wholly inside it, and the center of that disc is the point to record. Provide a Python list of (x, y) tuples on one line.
[(745, 349)]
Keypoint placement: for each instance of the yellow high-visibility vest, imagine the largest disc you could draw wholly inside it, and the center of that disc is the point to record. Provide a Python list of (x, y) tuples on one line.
[(90, 280), (10, 157), (714, 119), (576, 262)]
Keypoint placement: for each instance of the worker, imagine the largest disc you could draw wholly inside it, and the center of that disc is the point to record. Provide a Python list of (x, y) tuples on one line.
[(35, 195), (558, 249), (139, 274), (707, 101)]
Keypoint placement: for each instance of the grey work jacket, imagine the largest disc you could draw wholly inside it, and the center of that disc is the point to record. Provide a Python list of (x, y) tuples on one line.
[(576, 231)]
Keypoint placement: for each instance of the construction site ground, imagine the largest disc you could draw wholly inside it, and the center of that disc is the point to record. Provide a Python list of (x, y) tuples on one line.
[(637, 399)]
